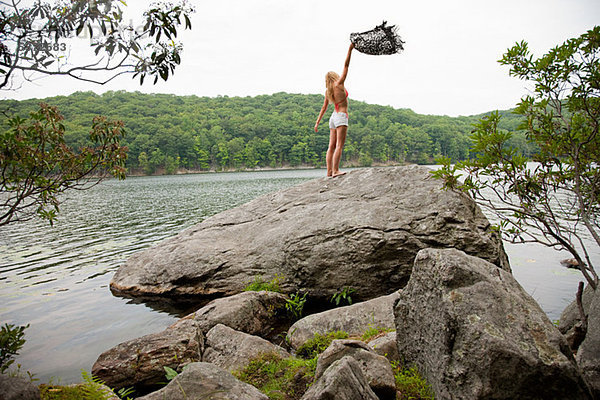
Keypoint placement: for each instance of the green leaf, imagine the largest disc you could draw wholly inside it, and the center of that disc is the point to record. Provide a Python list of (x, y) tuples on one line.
[(170, 373)]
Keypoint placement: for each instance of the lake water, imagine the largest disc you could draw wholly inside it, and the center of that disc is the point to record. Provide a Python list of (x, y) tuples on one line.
[(57, 278)]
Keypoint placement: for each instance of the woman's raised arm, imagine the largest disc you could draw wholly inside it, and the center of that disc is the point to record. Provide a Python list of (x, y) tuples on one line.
[(346, 64)]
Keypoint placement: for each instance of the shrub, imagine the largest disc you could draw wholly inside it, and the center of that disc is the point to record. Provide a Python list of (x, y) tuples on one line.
[(344, 295), (11, 341), (295, 304)]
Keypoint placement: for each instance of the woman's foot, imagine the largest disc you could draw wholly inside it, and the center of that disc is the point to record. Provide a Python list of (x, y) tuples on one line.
[(338, 174)]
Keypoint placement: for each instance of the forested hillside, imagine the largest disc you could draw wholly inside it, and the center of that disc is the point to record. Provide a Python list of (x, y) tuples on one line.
[(167, 132)]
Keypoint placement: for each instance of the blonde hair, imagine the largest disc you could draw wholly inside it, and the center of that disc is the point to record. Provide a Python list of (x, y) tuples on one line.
[(330, 78)]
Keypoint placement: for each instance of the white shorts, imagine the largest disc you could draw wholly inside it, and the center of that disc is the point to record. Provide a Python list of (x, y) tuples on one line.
[(338, 119)]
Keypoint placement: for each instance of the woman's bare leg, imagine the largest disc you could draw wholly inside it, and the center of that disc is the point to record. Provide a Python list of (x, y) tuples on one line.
[(331, 151), (339, 146)]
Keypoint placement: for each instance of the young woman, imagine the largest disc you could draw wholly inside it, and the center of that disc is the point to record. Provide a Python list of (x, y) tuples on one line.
[(336, 94)]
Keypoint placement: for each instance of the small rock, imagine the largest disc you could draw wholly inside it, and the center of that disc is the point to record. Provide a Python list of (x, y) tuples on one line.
[(375, 368), (140, 361), (570, 263), (386, 346), (206, 381), (17, 388), (570, 323), (231, 349), (354, 319), (588, 355), (255, 313), (343, 380)]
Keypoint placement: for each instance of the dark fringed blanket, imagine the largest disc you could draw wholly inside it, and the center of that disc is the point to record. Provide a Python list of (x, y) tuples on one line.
[(382, 40)]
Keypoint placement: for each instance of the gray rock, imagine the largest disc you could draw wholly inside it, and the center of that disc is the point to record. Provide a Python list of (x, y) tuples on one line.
[(476, 334), (232, 350), (361, 230), (343, 380), (255, 313), (354, 319), (17, 388), (376, 369), (206, 381), (588, 356), (386, 346), (140, 361), (570, 321)]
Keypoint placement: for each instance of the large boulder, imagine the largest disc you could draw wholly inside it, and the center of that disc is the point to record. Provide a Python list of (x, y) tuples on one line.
[(354, 320), (362, 230), (232, 350), (475, 333), (343, 380), (206, 381), (140, 361), (588, 355), (376, 369)]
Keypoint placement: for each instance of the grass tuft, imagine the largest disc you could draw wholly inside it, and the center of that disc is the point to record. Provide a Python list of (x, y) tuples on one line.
[(258, 284), (374, 332), (318, 343), (410, 385), (277, 377)]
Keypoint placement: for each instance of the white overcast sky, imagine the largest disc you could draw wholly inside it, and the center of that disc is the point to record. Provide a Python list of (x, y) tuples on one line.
[(449, 66)]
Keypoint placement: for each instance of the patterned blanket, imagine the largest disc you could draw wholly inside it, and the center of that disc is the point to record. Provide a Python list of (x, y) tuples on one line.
[(382, 40)]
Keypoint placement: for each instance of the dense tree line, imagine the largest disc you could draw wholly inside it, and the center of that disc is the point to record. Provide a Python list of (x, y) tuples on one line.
[(167, 132)]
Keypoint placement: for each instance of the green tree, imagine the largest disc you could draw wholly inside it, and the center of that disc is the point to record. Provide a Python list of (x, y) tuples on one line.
[(193, 128), (36, 162), (144, 163), (221, 152), (37, 166), (157, 159), (298, 153), (556, 200), (235, 148), (34, 37), (171, 164), (203, 159)]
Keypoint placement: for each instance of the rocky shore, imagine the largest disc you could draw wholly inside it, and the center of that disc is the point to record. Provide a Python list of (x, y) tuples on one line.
[(421, 266)]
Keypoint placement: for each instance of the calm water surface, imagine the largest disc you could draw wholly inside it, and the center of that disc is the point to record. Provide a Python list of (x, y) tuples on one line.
[(56, 278)]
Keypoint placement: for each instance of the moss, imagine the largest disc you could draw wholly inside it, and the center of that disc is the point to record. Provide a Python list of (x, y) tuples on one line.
[(92, 388), (373, 333), (258, 284), (73, 392), (277, 377), (410, 384), (318, 343)]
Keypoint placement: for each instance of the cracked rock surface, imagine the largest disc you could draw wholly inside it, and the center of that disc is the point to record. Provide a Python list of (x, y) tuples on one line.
[(476, 334), (361, 230)]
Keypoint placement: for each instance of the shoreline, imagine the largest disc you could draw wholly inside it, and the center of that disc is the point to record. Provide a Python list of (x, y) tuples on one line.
[(185, 171)]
